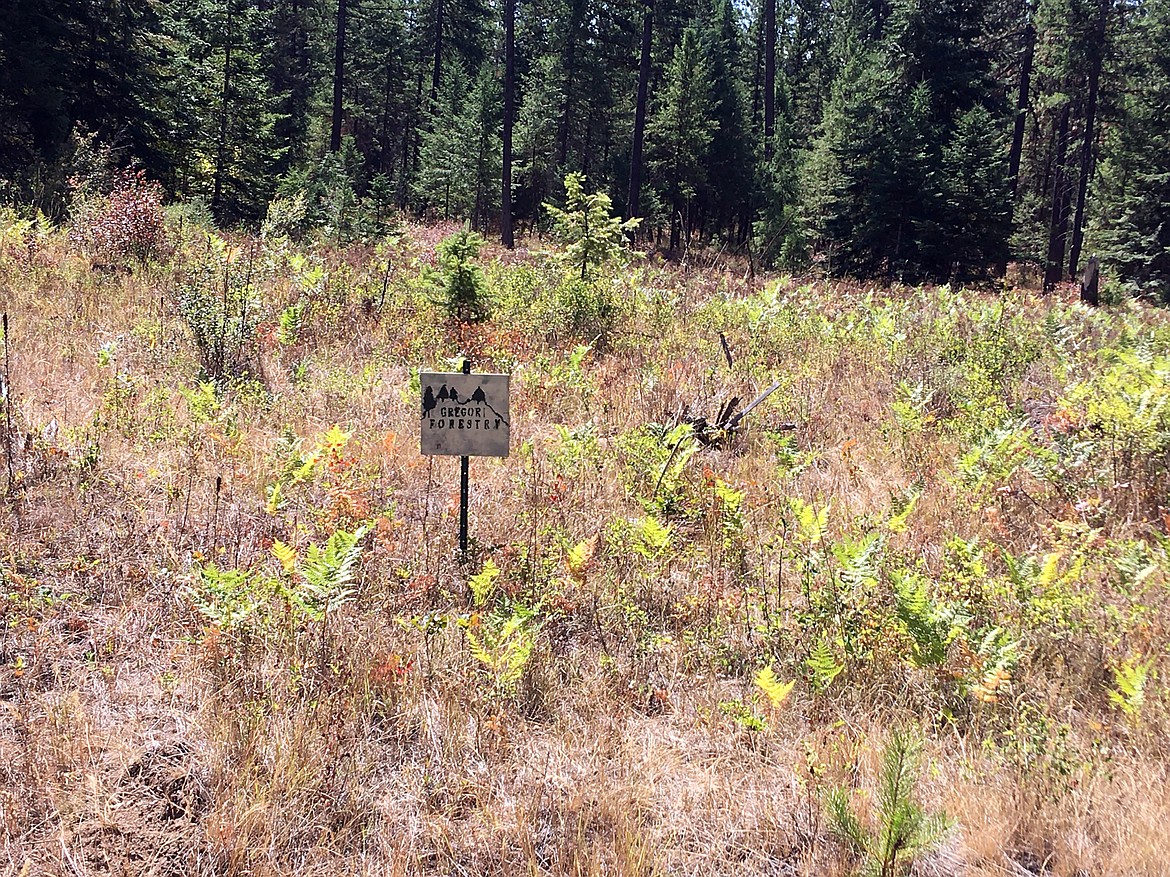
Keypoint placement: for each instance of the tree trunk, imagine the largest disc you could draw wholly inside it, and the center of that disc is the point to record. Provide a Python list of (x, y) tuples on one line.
[(1021, 124), (437, 70), (338, 77), (1058, 226), (1078, 229), (634, 200), (568, 72), (221, 145), (769, 76), (509, 119), (1025, 86)]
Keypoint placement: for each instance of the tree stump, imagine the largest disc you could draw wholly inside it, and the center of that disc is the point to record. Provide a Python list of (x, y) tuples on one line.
[(1090, 283)]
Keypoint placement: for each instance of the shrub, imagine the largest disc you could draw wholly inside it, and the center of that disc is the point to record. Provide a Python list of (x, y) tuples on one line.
[(219, 303), (128, 224)]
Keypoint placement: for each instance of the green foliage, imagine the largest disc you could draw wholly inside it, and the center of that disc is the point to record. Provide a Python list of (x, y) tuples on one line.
[(651, 537), (907, 179), (503, 644), (656, 458), (482, 583), (822, 666), (1129, 695), (1129, 230), (1009, 449), (459, 172), (932, 625), (776, 691), (464, 294), (285, 217), (323, 581), (220, 305), (291, 321), (1124, 410), (977, 212), (743, 715), (782, 230), (227, 598), (902, 830), (681, 130), (585, 225)]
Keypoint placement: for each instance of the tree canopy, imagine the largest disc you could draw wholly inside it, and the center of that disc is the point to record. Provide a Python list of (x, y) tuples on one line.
[(895, 139)]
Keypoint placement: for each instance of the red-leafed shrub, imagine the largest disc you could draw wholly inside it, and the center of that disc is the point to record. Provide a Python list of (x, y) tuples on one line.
[(128, 224)]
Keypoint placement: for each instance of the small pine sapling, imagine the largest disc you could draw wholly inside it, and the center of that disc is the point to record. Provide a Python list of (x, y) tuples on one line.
[(591, 234), (902, 830)]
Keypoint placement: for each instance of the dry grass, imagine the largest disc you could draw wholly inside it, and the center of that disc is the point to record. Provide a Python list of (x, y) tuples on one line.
[(136, 737)]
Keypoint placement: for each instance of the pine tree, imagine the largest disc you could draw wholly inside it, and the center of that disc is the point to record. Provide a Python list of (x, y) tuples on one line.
[(1130, 230), (536, 137), (978, 213), (681, 131), (232, 111), (459, 165), (730, 160)]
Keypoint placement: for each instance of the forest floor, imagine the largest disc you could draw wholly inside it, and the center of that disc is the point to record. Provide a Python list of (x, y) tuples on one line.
[(928, 575)]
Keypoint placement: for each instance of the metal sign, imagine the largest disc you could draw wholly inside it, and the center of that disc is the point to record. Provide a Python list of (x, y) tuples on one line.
[(464, 415)]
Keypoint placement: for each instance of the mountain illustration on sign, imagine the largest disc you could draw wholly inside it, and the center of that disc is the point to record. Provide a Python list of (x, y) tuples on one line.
[(431, 400)]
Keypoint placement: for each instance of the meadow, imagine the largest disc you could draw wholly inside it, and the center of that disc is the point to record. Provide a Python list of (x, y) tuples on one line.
[(908, 616)]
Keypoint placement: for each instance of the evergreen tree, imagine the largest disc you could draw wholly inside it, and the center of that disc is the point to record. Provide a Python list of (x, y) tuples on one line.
[(729, 164), (294, 72), (459, 165), (536, 137), (977, 222), (1131, 232), (680, 132)]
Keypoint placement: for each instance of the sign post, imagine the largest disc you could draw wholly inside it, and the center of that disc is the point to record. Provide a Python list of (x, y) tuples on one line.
[(464, 486), (464, 415)]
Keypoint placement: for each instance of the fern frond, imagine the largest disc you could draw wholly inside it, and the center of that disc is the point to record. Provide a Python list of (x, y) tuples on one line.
[(328, 574), (285, 554), (933, 626), (776, 690), (581, 556), (1130, 694), (859, 560), (812, 522), (481, 583), (823, 665)]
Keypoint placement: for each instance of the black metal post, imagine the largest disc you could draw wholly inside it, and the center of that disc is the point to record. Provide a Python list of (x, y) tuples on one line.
[(464, 487), (7, 407)]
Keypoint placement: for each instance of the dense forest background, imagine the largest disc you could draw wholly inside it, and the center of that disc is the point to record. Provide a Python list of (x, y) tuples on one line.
[(901, 139)]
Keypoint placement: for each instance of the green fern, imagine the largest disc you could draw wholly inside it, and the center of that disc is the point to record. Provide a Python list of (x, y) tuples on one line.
[(823, 666), (931, 625), (903, 506), (227, 598), (481, 583), (776, 691), (327, 575), (859, 560), (503, 644), (1130, 694), (811, 523)]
